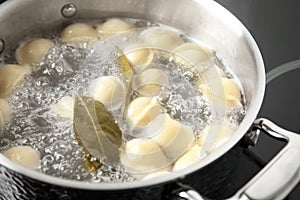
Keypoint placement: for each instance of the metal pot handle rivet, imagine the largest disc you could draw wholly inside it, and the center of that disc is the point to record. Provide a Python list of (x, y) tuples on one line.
[(251, 137), (2, 45), (68, 10)]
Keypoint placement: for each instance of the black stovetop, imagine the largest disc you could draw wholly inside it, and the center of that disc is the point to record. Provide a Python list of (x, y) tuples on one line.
[(275, 25)]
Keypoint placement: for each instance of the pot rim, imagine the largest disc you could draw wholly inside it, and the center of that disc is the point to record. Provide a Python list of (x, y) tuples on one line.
[(249, 118)]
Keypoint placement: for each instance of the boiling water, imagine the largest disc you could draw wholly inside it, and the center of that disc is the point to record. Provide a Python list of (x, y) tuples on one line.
[(68, 70)]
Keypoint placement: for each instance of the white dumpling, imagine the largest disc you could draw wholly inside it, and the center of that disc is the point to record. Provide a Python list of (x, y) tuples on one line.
[(142, 156), (212, 74), (150, 82), (218, 133), (142, 110), (113, 26), (194, 46), (78, 32), (33, 51), (199, 56), (109, 90), (161, 38), (173, 137), (139, 56), (24, 155), (192, 156), (4, 111), (11, 76), (223, 92), (64, 107)]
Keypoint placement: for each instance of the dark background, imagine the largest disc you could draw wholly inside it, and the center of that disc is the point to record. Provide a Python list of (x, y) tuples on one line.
[(275, 25)]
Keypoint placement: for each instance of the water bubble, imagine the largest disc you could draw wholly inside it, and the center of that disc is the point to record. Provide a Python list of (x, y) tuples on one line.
[(4, 143), (189, 118), (61, 147), (47, 160), (18, 136), (165, 97), (59, 68), (19, 94), (58, 156), (42, 81), (188, 76), (22, 141)]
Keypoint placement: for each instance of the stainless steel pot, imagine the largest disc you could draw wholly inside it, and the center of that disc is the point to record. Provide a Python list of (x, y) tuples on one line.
[(203, 19)]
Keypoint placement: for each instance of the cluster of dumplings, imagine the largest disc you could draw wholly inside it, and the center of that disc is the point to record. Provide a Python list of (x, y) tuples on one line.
[(28, 54), (164, 144), (31, 53), (215, 86), (81, 32)]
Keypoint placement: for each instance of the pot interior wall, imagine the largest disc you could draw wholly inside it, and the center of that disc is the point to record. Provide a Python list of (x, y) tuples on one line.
[(201, 19), (195, 18)]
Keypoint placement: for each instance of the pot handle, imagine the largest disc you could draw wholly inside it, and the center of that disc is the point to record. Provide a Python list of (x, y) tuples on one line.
[(281, 174), (275, 180), (180, 191)]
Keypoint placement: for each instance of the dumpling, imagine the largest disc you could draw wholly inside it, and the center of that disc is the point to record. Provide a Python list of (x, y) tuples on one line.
[(161, 38), (139, 56), (150, 82), (78, 32), (173, 137), (195, 154), (223, 91), (194, 46), (212, 74), (33, 51), (64, 107), (218, 133), (11, 76), (113, 26), (24, 155), (109, 90), (142, 156), (4, 111), (142, 110), (199, 56)]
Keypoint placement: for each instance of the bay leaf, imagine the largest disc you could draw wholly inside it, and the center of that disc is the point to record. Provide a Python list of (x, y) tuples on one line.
[(126, 70), (124, 63), (96, 130), (91, 163)]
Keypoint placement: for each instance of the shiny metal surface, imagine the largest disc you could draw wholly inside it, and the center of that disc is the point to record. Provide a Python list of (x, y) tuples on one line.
[(211, 23), (190, 194), (69, 10), (276, 180), (280, 176), (251, 137)]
